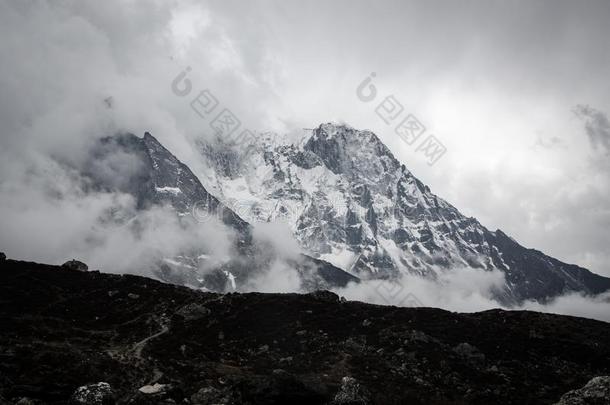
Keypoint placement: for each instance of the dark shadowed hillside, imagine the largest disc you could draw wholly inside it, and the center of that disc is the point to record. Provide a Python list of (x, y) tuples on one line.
[(158, 343)]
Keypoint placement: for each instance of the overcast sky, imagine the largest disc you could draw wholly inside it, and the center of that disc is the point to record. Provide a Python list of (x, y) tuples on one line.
[(517, 91)]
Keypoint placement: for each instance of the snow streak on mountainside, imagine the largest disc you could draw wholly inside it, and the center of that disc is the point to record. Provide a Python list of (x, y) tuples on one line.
[(349, 201)]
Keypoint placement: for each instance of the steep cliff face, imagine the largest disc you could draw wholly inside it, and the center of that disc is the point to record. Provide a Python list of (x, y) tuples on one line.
[(349, 201)]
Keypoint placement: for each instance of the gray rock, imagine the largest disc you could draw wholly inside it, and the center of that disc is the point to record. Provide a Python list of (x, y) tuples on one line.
[(94, 394), (75, 265), (2, 257), (596, 392), (351, 393), (154, 389)]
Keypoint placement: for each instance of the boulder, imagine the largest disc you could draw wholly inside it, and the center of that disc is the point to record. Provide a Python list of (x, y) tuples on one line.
[(351, 393), (75, 265), (94, 394), (2, 257), (596, 392), (155, 388)]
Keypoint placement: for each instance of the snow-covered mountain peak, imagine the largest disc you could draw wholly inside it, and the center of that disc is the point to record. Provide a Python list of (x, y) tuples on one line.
[(350, 202)]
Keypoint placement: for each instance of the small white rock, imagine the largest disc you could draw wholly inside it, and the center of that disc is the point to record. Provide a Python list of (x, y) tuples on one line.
[(152, 389)]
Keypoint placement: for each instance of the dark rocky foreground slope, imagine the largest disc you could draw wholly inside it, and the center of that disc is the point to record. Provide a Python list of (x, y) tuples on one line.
[(151, 342)]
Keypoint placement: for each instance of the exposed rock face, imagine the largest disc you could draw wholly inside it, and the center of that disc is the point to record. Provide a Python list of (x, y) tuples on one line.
[(349, 201), (596, 392), (2, 256), (61, 330), (75, 265)]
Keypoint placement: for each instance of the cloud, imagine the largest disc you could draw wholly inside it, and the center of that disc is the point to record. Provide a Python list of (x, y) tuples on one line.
[(277, 236), (467, 290), (463, 289), (595, 307), (54, 216), (596, 125), (278, 277)]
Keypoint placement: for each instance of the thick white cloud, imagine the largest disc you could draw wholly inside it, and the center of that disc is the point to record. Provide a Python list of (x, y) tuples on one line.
[(468, 290)]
